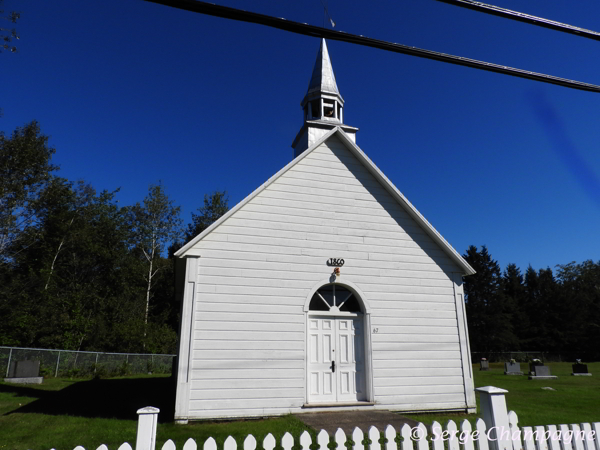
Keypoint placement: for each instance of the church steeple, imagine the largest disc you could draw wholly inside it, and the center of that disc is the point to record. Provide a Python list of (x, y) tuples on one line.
[(322, 105), (323, 99)]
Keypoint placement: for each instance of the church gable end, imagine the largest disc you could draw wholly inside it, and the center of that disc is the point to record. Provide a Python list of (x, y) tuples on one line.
[(270, 327)]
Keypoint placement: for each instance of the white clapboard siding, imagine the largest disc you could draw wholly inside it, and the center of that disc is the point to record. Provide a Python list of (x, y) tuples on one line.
[(413, 321), (415, 346), (407, 302), (257, 268), (251, 326), (245, 373), (216, 303), (246, 393), (240, 344), (238, 259), (422, 389), (403, 382), (279, 272), (413, 401), (390, 330), (409, 356), (244, 299), (263, 335), (309, 265), (254, 403), (275, 355), (263, 317), (265, 365), (438, 297), (414, 372), (236, 383), (421, 363), (387, 342), (251, 290)]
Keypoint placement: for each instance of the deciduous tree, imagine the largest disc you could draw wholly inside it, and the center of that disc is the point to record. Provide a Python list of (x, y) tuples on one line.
[(25, 172), (155, 224)]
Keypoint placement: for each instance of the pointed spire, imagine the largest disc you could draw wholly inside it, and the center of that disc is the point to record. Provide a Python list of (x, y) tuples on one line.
[(323, 105), (323, 100), (323, 79)]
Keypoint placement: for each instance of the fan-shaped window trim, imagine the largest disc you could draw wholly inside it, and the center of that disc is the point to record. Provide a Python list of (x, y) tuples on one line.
[(335, 298), (358, 296)]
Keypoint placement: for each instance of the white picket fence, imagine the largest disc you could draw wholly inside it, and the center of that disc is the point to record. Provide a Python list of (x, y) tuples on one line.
[(498, 430)]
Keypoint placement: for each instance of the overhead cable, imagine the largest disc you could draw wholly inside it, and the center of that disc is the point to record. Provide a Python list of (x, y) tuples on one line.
[(311, 30), (522, 17)]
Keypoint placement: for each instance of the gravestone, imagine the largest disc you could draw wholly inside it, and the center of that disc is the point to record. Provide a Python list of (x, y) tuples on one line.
[(581, 370), (484, 364), (540, 372), (24, 372), (512, 368)]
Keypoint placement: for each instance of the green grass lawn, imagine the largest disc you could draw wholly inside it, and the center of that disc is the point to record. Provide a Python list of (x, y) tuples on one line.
[(574, 400), (64, 413)]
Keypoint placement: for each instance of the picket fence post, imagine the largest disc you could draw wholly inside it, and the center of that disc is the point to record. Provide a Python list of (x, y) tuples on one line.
[(146, 431), (495, 416)]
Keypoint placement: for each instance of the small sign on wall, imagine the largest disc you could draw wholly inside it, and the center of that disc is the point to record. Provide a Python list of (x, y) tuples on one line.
[(335, 262)]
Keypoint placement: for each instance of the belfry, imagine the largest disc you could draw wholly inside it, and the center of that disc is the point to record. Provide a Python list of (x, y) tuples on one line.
[(323, 105)]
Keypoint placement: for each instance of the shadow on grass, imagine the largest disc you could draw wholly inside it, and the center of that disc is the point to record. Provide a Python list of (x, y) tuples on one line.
[(24, 391), (110, 398)]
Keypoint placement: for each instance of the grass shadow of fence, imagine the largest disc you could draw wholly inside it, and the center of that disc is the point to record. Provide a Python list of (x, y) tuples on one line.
[(104, 398)]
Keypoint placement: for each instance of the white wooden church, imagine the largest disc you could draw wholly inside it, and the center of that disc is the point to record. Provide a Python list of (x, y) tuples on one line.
[(323, 289)]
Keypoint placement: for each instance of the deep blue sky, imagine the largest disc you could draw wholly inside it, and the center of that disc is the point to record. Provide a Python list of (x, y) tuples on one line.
[(132, 93)]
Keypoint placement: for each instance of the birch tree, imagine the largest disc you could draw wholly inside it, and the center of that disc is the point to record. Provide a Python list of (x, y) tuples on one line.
[(155, 224)]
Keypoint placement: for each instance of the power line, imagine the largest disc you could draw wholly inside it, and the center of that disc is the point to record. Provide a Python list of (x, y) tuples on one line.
[(311, 30), (522, 17)]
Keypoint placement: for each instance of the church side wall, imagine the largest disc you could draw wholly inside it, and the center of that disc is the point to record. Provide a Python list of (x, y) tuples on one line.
[(257, 268)]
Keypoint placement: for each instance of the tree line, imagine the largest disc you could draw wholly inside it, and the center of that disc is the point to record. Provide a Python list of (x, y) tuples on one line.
[(548, 311), (80, 272)]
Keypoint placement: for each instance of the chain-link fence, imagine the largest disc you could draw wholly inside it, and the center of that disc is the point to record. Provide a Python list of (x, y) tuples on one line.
[(525, 356), (69, 363)]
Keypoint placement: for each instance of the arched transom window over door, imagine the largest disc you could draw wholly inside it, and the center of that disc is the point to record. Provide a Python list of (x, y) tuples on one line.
[(336, 343), (335, 298)]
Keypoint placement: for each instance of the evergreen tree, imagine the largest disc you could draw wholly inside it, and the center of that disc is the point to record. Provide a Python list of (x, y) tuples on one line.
[(215, 205), (513, 290), (488, 314)]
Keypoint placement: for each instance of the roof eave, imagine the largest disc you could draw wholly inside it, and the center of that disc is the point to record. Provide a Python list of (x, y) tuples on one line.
[(185, 250)]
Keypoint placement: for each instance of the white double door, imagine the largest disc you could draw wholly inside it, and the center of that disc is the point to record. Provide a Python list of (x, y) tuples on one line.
[(336, 362)]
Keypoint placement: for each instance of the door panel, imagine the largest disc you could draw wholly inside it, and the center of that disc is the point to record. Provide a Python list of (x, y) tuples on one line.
[(340, 340), (321, 341), (351, 343)]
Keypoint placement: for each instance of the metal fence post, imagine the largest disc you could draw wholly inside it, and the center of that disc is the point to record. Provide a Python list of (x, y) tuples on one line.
[(146, 431), (96, 364), (57, 363), (8, 366)]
